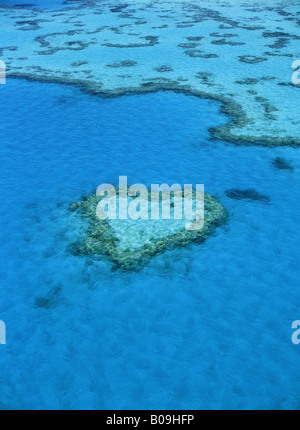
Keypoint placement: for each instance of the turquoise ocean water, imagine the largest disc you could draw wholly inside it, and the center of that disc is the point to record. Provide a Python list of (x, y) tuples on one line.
[(42, 4), (207, 326)]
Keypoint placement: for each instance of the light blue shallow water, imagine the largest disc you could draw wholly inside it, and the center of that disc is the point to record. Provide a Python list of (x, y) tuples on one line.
[(56, 4), (208, 326), (43, 4)]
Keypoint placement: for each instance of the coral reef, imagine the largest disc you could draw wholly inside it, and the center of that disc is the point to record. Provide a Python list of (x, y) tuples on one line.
[(249, 194), (212, 38), (130, 243), (282, 164)]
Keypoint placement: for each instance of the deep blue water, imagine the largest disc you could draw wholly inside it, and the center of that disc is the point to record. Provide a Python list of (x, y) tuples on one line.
[(207, 326)]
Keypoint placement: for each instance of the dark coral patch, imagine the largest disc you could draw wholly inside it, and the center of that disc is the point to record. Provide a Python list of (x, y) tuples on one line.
[(248, 194), (282, 164), (251, 59)]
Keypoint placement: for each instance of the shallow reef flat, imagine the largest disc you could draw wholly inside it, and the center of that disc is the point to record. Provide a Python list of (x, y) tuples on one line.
[(131, 243), (231, 51)]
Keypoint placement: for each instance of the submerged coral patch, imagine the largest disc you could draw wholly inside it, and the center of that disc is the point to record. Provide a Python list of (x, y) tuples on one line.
[(163, 69), (251, 59), (125, 63), (130, 243), (282, 164), (249, 194)]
